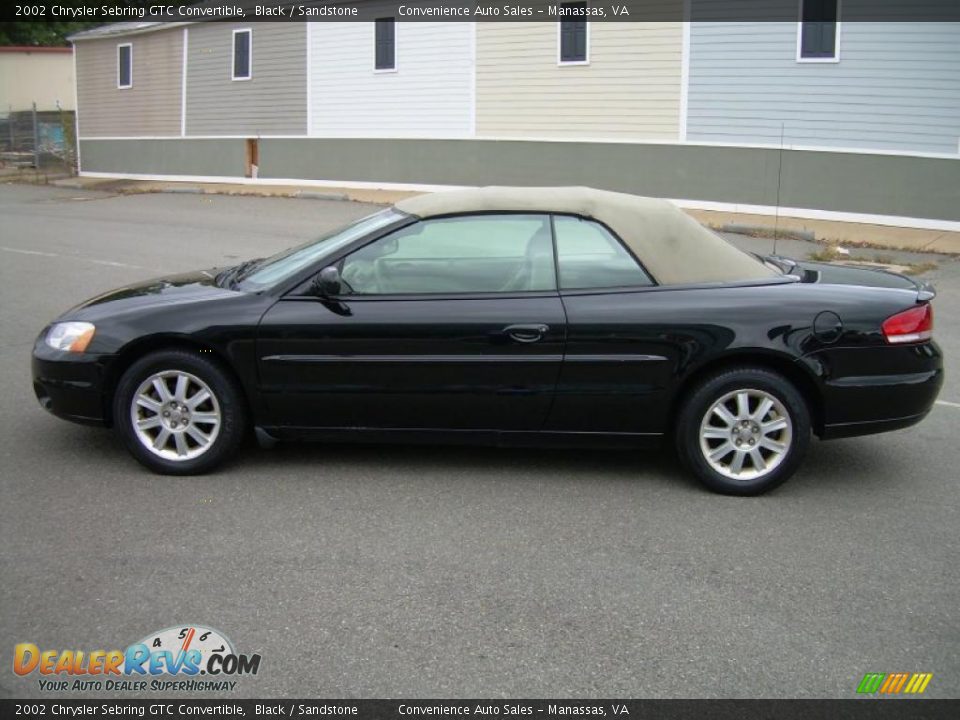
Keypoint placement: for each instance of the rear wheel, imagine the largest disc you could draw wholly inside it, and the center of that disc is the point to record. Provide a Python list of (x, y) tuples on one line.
[(743, 431), (179, 413)]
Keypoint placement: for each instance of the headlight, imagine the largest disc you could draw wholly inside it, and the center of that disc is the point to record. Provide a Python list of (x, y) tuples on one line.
[(70, 336)]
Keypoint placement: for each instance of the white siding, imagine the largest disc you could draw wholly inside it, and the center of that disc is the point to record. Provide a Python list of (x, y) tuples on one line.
[(429, 95)]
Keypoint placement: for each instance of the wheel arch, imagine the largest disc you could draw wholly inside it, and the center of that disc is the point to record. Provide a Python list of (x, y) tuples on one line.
[(142, 346), (795, 372)]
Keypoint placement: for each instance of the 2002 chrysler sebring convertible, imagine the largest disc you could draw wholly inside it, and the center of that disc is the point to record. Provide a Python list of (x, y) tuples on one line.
[(504, 315)]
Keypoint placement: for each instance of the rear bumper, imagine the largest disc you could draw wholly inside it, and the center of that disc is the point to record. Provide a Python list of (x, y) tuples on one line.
[(70, 385), (901, 390), (869, 427)]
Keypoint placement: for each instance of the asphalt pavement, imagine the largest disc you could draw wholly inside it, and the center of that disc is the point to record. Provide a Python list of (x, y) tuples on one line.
[(386, 571)]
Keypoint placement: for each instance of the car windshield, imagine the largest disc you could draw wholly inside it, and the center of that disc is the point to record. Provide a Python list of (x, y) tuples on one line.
[(287, 263)]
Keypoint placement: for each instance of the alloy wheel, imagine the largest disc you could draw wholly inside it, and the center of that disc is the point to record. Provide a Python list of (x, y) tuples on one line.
[(746, 434), (175, 415)]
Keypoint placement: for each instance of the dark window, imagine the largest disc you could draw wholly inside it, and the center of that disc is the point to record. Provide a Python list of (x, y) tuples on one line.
[(818, 30), (573, 33), (242, 40), (589, 256), (467, 254), (124, 66), (386, 44)]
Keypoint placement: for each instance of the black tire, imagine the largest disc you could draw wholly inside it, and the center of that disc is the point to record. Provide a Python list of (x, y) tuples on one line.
[(773, 466), (226, 403)]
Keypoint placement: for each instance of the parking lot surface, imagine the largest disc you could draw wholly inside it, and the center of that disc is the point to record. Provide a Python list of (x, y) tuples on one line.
[(386, 571)]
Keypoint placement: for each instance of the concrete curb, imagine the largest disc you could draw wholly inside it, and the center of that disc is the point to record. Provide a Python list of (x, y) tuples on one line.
[(311, 195), (770, 231)]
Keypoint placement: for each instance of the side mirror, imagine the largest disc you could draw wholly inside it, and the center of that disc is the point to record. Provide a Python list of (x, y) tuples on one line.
[(327, 283), (388, 246)]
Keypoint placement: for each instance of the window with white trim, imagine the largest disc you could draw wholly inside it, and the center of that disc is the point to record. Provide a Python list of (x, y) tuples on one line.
[(819, 28), (385, 41), (242, 54), (124, 66), (573, 33)]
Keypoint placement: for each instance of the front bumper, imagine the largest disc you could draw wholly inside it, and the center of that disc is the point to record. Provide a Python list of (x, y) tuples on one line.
[(71, 385)]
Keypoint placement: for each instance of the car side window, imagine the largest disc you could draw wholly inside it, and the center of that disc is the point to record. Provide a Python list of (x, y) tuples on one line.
[(590, 256), (463, 254)]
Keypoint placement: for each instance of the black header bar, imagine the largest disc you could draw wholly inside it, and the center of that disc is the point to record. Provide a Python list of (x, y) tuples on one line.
[(865, 709), (95, 11)]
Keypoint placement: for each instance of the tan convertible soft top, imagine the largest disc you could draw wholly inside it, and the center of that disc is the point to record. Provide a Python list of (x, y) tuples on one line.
[(674, 247)]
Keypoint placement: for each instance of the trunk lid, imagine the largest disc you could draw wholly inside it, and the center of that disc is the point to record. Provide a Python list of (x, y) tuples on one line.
[(863, 275)]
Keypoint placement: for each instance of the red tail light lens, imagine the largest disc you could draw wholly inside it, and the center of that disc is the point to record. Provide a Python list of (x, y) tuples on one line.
[(913, 325)]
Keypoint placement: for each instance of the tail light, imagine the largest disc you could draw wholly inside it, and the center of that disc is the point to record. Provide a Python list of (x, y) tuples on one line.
[(913, 325)]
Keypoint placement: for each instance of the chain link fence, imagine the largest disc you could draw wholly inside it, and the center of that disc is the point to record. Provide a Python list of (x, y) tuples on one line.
[(41, 140)]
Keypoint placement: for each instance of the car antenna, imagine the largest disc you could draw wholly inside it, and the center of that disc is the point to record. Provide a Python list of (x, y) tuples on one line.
[(776, 219)]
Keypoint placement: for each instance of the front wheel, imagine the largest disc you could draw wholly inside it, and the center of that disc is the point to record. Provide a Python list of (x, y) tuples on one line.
[(743, 431), (179, 413)]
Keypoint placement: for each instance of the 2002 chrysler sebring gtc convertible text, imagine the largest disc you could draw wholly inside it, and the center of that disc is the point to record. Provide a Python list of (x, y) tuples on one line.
[(504, 315)]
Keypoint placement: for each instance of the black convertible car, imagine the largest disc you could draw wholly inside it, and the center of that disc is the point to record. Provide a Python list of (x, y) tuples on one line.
[(504, 315)]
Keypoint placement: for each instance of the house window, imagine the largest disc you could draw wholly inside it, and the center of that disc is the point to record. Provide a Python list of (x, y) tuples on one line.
[(573, 33), (385, 55), (242, 54), (819, 30), (125, 65)]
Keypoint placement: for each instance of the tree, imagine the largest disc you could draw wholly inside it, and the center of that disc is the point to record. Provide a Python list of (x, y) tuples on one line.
[(41, 34), (52, 34)]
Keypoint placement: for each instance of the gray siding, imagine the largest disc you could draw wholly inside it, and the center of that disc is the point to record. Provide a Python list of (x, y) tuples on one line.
[(842, 182), (898, 184), (221, 158), (272, 102), (151, 106), (896, 87)]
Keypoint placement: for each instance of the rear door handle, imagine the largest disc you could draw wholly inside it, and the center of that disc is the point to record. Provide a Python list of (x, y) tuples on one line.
[(526, 333)]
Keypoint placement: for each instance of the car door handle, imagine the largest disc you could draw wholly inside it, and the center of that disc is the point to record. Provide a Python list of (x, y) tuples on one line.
[(526, 333)]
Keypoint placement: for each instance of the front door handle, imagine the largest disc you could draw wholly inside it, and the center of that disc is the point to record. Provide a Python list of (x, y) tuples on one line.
[(526, 333)]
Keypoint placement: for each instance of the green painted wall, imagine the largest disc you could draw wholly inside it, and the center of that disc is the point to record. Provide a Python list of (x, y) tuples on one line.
[(843, 182), (175, 156)]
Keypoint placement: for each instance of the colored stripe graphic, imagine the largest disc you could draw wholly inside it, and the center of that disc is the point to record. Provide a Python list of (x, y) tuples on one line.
[(894, 683), (871, 683), (918, 683)]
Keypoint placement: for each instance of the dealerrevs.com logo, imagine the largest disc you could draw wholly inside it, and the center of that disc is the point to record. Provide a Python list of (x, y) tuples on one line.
[(186, 657)]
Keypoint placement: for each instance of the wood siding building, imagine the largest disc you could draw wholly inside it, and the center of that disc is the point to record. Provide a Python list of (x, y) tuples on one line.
[(272, 101), (150, 104), (628, 87), (825, 120), (890, 86)]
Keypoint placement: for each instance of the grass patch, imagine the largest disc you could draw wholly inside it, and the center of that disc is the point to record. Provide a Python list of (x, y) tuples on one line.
[(920, 268), (827, 254)]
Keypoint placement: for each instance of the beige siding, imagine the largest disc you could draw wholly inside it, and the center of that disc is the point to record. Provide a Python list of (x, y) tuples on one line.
[(42, 77), (629, 90), (151, 106), (272, 102)]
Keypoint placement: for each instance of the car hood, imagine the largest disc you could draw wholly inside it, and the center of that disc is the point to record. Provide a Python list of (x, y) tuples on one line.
[(168, 290)]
